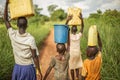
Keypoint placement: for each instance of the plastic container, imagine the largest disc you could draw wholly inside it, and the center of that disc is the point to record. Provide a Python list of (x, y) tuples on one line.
[(76, 14), (20, 8), (92, 36), (60, 33)]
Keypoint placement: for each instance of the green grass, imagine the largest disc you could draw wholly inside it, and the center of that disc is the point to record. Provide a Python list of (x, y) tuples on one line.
[(111, 48), (110, 51)]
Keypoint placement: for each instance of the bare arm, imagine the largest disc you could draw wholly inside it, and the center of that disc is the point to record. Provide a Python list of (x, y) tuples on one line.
[(82, 23), (99, 42), (68, 42), (47, 72), (36, 61), (68, 19), (7, 23)]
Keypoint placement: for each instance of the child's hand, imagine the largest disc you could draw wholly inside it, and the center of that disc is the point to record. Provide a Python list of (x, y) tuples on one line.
[(39, 76), (81, 17), (7, 1), (69, 17)]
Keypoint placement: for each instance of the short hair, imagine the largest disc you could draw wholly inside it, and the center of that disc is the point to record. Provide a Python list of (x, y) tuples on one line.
[(92, 51), (74, 28), (60, 47), (22, 22)]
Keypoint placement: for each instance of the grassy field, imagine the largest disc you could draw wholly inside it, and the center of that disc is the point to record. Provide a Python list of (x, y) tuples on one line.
[(111, 48), (110, 51)]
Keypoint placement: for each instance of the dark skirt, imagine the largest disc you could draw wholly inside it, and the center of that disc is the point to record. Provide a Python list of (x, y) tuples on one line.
[(24, 72)]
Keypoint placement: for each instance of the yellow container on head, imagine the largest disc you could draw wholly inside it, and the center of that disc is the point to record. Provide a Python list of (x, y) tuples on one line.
[(92, 36), (76, 14), (19, 8)]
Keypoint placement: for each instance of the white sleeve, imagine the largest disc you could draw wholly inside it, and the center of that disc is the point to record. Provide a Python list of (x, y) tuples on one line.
[(33, 46), (37, 52), (32, 43), (11, 32), (80, 34)]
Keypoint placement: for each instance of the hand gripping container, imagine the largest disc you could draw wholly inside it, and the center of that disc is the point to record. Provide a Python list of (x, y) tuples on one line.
[(20, 8), (60, 33), (76, 14)]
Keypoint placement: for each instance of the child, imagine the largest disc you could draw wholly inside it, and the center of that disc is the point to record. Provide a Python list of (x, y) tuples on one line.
[(92, 65), (75, 62), (24, 49), (59, 63)]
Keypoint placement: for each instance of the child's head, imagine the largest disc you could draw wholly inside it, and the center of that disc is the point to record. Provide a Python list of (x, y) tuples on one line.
[(22, 22), (61, 48), (74, 29), (91, 51)]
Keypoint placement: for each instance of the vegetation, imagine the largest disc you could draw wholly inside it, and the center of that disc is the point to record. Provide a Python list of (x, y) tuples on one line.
[(51, 8), (58, 14), (108, 24)]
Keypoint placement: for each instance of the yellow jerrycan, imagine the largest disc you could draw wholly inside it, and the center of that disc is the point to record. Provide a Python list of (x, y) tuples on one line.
[(20, 8), (92, 36), (75, 11)]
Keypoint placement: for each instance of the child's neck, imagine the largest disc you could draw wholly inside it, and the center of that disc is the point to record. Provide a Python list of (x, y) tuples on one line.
[(61, 54), (61, 57), (91, 58), (22, 31), (74, 33)]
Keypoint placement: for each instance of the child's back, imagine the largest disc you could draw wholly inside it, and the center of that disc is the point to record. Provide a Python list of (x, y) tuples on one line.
[(92, 68), (60, 67), (60, 63)]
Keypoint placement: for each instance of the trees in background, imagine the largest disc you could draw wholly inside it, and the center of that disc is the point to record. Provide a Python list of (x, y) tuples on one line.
[(58, 14), (38, 18), (51, 8), (109, 16), (1, 15)]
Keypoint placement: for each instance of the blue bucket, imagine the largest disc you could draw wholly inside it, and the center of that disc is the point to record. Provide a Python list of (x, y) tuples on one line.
[(60, 33)]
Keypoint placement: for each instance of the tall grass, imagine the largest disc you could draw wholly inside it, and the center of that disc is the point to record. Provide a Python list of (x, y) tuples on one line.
[(110, 50), (6, 57)]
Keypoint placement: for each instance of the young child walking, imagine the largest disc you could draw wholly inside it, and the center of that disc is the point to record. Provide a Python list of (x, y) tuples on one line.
[(59, 63), (75, 62), (24, 49), (92, 65)]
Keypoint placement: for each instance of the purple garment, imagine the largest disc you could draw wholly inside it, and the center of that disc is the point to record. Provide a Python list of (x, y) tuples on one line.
[(24, 72)]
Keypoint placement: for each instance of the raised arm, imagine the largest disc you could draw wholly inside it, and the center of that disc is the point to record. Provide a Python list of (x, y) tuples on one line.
[(68, 42), (68, 19), (36, 61), (99, 42), (7, 23), (82, 23)]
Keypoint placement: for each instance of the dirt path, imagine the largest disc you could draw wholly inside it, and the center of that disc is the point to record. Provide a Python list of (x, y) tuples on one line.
[(48, 50)]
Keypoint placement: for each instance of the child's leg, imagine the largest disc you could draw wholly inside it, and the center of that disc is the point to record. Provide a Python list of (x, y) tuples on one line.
[(77, 72), (72, 73), (80, 72)]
